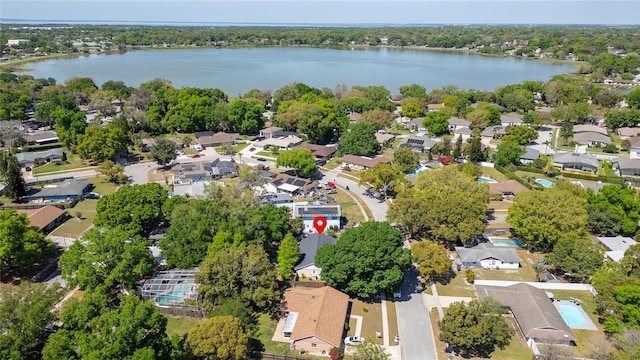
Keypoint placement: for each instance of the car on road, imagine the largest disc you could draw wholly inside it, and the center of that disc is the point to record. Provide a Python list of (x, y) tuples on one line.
[(331, 185), (262, 159), (252, 149), (195, 156), (354, 340)]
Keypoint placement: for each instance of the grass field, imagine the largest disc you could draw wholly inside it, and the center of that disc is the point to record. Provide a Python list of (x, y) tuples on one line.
[(73, 162), (493, 173), (371, 320), (266, 327), (180, 325), (350, 209)]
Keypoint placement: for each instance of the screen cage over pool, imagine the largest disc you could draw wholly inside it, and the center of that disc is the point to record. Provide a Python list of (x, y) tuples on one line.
[(172, 289)]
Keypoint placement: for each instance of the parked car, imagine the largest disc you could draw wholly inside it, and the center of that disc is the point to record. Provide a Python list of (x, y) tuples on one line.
[(332, 191), (354, 340), (262, 159), (331, 185), (195, 156), (92, 195), (252, 149)]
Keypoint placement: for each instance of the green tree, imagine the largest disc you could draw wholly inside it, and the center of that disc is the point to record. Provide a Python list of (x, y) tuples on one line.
[(432, 260), (542, 218), (101, 328), (163, 151), (20, 243), (366, 260), (107, 258), (476, 328), (113, 172), (457, 150), (69, 125), (579, 257), (621, 118), (444, 205), (15, 187), (436, 122), (412, 109), (473, 151), (633, 98), (288, 256), (380, 119), (521, 134), (413, 91), (613, 210), (135, 208), (244, 272), (245, 116), (384, 178), (370, 351), (25, 310), (102, 143), (300, 159), (359, 140), (509, 152), (405, 159), (219, 337)]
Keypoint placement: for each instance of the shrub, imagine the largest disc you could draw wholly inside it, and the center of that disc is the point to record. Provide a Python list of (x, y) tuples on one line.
[(470, 276)]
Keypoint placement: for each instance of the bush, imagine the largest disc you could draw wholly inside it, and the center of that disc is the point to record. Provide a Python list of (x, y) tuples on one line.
[(610, 149), (470, 276)]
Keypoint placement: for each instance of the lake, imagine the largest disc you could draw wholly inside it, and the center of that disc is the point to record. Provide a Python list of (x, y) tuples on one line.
[(236, 71)]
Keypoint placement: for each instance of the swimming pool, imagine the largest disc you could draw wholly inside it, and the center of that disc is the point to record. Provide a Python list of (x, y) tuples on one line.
[(507, 242), (486, 180), (573, 315), (546, 183), (176, 294)]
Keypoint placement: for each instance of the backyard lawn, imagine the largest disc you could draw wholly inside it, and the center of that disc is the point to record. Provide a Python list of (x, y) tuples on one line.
[(73, 162), (493, 173), (180, 325)]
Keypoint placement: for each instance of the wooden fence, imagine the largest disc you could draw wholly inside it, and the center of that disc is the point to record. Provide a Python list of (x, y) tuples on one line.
[(269, 356)]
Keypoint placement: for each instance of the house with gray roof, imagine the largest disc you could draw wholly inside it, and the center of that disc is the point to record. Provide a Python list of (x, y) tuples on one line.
[(27, 159), (416, 125), (456, 123), (223, 169), (529, 156), (535, 314), (419, 143), (489, 257), (616, 246), (627, 166), (493, 132), (511, 119), (628, 132), (591, 135), (576, 161), (309, 246), (67, 191)]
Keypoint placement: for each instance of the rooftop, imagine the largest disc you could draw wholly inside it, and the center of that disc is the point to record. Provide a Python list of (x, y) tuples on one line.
[(309, 247)]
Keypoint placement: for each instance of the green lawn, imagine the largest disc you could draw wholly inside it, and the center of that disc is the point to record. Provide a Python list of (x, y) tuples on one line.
[(74, 227), (493, 173), (266, 327), (371, 320), (102, 186), (456, 287), (350, 209), (180, 325), (73, 162)]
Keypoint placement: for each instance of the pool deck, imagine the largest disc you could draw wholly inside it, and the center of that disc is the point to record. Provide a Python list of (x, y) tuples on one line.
[(586, 324)]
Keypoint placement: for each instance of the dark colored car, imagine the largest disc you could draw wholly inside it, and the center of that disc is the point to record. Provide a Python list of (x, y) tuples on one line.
[(262, 159)]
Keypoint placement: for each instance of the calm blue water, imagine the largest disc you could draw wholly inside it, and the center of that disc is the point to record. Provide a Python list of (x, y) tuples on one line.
[(485, 180), (236, 71), (546, 183), (177, 293), (572, 316), (507, 242)]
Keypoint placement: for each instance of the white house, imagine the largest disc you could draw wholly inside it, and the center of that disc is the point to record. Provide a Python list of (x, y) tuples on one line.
[(310, 211), (488, 257)]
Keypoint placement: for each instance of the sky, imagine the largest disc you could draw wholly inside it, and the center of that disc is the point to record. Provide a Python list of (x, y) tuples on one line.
[(423, 12)]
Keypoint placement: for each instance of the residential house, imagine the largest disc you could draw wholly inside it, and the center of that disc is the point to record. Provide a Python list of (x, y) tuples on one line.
[(314, 319), (354, 117), (590, 135), (41, 137), (308, 212), (419, 143), (507, 189), (223, 169), (189, 173), (291, 184), (628, 132), (510, 119), (321, 152), (435, 107), (464, 132), (211, 139), (67, 191), (535, 314), (309, 246), (45, 218), (147, 144), (384, 138), (575, 161), (282, 143), (416, 125), (456, 122), (361, 162), (396, 99), (281, 199), (271, 132), (191, 189), (627, 166), (489, 257), (494, 132), (634, 149), (28, 159), (616, 246), (529, 156)]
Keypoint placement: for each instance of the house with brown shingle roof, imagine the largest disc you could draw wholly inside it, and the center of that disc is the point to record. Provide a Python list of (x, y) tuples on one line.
[(210, 139), (45, 218), (361, 162), (507, 188), (314, 318), (320, 151)]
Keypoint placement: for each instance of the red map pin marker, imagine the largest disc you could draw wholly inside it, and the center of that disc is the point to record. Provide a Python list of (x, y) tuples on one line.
[(320, 223)]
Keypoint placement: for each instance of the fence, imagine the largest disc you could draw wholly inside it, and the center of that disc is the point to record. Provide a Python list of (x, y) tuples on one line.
[(270, 356), (311, 284), (182, 312), (48, 181), (62, 206)]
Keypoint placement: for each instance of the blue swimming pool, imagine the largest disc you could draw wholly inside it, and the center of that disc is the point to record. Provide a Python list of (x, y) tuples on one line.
[(177, 293), (507, 242), (546, 183), (574, 316), (486, 180)]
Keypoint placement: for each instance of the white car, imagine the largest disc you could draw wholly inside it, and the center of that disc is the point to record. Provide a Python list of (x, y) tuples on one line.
[(354, 340)]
